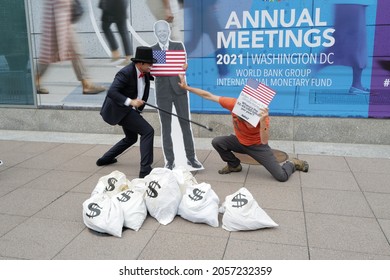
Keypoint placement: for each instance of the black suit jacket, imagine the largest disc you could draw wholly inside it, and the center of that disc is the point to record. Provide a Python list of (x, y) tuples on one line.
[(124, 86)]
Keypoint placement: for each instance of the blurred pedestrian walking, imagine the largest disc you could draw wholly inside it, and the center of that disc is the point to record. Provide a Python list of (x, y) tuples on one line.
[(58, 44), (115, 11)]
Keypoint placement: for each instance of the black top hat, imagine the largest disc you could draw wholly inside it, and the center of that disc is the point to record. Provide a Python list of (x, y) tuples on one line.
[(144, 54)]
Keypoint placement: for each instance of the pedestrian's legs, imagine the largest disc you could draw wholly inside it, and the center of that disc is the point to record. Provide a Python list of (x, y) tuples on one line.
[(106, 26), (224, 145), (124, 32)]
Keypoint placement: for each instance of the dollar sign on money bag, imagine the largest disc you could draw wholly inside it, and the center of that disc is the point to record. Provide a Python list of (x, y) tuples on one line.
[(197, 194), (240, 200), (152, 192), (111, 184), (125, 196), (95, 210)]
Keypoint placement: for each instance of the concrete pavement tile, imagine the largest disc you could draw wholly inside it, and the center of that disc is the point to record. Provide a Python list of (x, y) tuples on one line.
[(15, 177), (379, 203), (70, 149), (213, 163), (326, 179), (89, 184), (68, 207), (211, 171), (324, 254), (97, 151), (129, 168), (385, 225), (27, 202), (166, 245), (272, 197), (181, 225), (8, 258), (80, 163), (369, 165), (251, 250), (90, 245), (57, 180), (36, 147), (46, 161), (291, 229), (323, 162), (39, 239), (373, 182), (346, 233), (151, 223), (128, 163), (8, 145), (259, 175), (8, 222), (222, 189), (11, 159), (348, 203)]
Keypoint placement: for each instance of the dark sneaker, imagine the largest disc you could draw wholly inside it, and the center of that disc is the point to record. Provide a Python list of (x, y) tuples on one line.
[(300, 165), (228, 169), (105, 161)]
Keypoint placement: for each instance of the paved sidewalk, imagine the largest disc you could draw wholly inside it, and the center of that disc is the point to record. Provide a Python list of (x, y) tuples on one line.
[(338, 210)]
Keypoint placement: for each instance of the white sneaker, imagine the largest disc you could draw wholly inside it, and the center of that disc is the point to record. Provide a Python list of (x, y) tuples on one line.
[(1, 162)]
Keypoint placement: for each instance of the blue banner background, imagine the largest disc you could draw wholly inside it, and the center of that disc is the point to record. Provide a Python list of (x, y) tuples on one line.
[(224, 71)]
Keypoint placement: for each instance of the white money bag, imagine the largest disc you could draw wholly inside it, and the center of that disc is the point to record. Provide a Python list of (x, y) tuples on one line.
[(133, 206), (162, 195), (200, 205), (111, 184), (242, 212), (184, 178), (102, 214)]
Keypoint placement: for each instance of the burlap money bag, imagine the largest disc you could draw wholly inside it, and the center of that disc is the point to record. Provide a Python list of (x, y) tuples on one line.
[(242, 212), (162, 195), (200, 205), (103, 214)]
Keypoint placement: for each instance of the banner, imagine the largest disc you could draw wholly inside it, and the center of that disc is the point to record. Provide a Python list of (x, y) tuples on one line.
[(323, 57)]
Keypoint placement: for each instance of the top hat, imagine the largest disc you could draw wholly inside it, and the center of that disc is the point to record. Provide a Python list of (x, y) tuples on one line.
[(144, 54)]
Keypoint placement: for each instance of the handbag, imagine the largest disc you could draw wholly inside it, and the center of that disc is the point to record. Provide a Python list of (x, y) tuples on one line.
[(77, 11)]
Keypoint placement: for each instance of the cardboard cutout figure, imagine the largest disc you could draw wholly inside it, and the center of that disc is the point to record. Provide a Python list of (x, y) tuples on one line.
[(177, 138)]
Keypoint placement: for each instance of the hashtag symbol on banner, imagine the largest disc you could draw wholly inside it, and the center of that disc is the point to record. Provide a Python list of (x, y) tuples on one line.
[(386, 83)]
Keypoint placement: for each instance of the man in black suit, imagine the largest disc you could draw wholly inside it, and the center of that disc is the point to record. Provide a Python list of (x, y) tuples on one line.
[(123, 105), (168, 93)]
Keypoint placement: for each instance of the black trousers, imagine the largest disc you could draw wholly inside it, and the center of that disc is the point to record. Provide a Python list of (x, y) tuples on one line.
[(121, 25), (133, 125)]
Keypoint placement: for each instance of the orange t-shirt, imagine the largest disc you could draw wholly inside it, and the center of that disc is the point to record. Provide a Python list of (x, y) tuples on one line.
[(247, 134)]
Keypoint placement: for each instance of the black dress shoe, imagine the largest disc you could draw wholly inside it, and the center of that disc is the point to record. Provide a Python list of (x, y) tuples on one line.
[(170, 165), (194, 163), (105, 161)]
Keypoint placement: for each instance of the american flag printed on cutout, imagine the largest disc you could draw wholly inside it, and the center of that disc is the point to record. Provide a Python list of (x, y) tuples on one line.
[(259, 91), (169, 63)]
